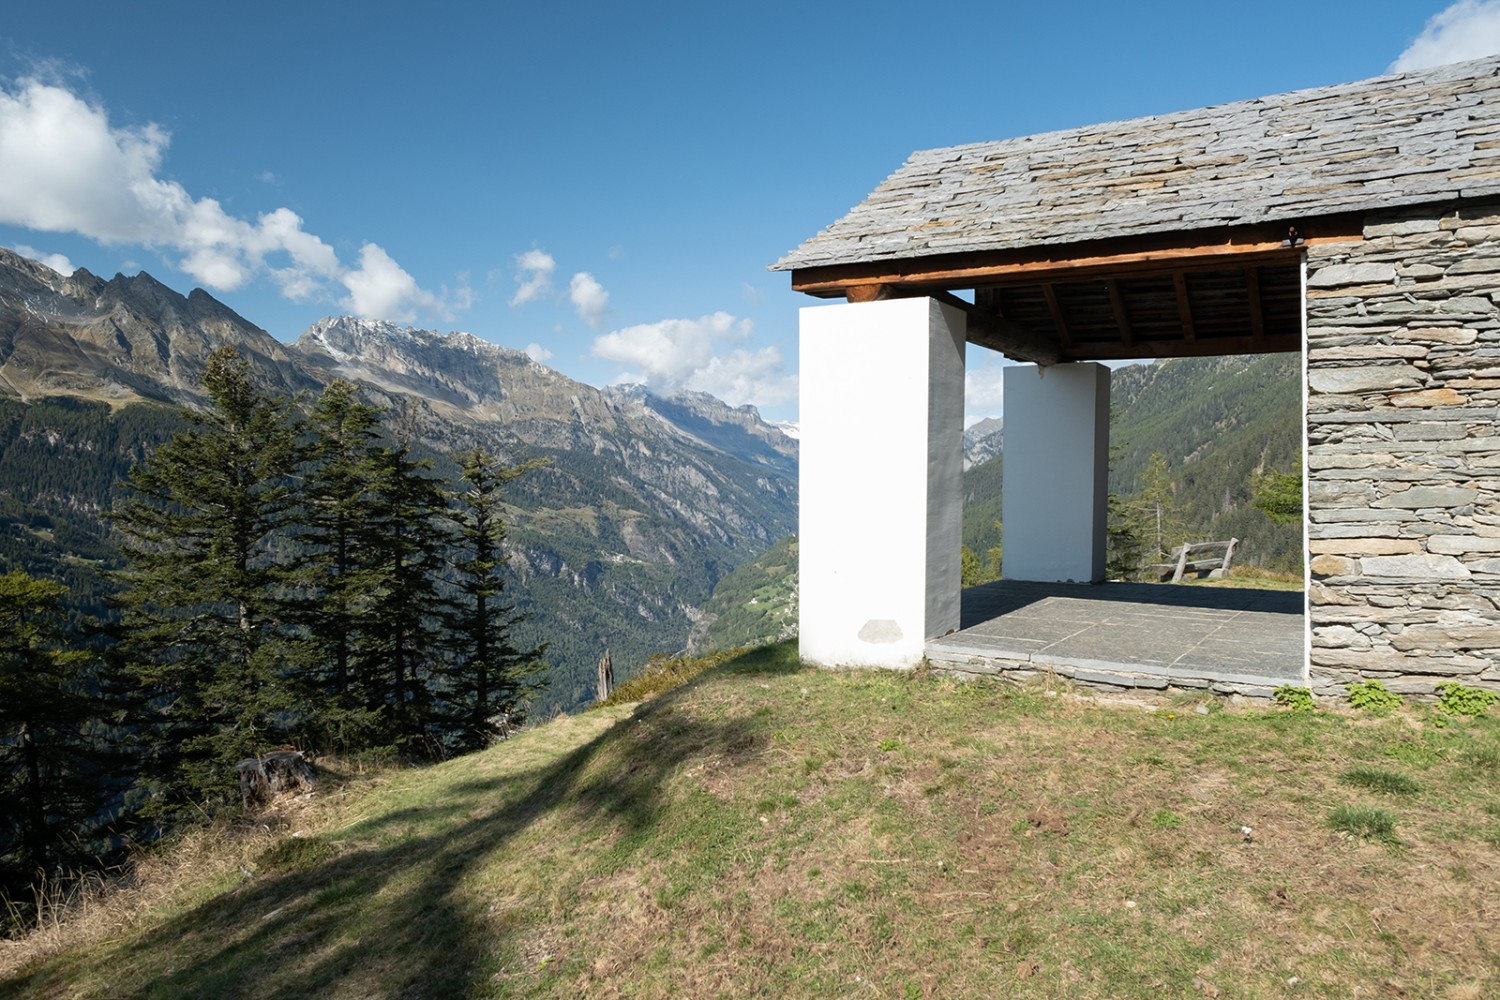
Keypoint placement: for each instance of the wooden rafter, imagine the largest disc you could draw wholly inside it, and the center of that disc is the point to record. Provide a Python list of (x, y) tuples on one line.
[(987, 328), (1203, 348), (1212, 249), (1054, 306), (1184, 307), (1122, 316), (1188, 304), (1257, 311)]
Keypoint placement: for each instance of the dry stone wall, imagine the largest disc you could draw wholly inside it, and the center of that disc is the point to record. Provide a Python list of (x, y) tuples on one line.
[(1403, 456)]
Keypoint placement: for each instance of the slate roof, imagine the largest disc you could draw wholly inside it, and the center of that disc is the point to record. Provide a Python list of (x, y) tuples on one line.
[(1394, 140)]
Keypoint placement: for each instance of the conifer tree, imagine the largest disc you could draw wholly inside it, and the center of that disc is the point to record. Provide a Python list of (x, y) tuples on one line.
[(1151, 522), (396, 655), (490, 681), (336, 573), (204, 603), (1278, 495), (52, 747)]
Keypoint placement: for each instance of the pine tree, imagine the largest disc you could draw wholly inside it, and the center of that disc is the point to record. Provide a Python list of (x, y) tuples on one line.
[(1123, 544), (490, 681), (1153, 516), (335, 573), (204, 624), (1278, 495), (53, 752), (396, 654)]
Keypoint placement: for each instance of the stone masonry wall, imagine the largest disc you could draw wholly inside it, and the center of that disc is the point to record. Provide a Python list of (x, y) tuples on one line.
[(1403, 455)]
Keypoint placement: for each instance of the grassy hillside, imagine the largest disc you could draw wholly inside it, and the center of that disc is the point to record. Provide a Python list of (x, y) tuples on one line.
[(773, 831)]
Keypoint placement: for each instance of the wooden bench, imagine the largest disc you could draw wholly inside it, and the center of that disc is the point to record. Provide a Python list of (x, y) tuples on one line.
[(1197, 558)]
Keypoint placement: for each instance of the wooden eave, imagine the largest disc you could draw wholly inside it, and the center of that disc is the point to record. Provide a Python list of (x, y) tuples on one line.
[(1231, 290)]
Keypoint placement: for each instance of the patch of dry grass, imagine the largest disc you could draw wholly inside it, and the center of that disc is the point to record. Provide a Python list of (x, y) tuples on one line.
[(768, 830), (1254, 578)]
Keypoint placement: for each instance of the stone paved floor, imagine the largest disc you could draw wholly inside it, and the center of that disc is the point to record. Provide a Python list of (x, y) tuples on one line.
[(1137, 635)]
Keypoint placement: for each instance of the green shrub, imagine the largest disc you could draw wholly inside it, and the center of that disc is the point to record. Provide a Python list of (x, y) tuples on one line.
[(1456, 699), (1298, 699), (1372, 696)]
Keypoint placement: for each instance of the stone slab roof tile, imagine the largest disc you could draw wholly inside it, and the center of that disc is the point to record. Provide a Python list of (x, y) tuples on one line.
[(1385, 142)]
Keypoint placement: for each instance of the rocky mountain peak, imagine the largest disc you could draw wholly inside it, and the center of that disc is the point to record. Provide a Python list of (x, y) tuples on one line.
[(17, 271), (128, 337), (455, 369), (736, 430)]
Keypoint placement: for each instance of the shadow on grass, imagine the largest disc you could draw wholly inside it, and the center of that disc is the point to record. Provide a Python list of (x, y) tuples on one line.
[(394, 920)]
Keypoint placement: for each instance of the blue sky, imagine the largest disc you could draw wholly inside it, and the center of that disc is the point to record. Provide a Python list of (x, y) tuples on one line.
[(600, 183)]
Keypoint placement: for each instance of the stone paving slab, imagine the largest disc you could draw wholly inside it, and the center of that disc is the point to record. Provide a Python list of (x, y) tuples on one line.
[(1139, 635)]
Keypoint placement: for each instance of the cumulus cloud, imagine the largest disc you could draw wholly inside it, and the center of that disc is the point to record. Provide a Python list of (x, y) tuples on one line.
[(379, 288), (699, 355), (1468, 29), (984, 391), (589, 298), (56, 261), (538, 353), (68, 170), (534, 274)]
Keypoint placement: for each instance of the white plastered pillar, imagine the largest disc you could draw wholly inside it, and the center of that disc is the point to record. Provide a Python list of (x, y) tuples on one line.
[(1054, 501), (881, 481)]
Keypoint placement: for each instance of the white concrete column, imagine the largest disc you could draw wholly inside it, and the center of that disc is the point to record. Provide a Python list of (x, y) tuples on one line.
[(881, 482), (1054, 501)]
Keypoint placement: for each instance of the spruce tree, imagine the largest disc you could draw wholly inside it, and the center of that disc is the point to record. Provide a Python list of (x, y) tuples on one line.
[(1278, 495), (337, 572), (54, 755), (397, 653), (490, 681), (1151, 522), (204, 623)]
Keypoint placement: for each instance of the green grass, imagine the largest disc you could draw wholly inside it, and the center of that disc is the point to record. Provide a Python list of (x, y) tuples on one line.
[(1364, 821), (1380, 780), (768, 830)]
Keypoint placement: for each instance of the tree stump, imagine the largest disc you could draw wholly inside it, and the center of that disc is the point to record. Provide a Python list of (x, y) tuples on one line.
[(263, 779), (606, 676)]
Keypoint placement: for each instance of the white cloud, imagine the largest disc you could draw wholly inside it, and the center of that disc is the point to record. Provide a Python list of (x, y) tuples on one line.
[(677, 354), (380, 289), (984, 389), (1469, 29), (67, 170), (746, 377), (983, 392), (56, 261), (538, 353), (534, 274), (589, 298)]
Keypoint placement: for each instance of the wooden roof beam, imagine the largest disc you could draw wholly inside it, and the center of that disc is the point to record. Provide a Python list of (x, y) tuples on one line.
[(1213, 249), (1184, 307), (1122, 316), (1054, 306), (1203, 347), (988, 328), (1257, 311)]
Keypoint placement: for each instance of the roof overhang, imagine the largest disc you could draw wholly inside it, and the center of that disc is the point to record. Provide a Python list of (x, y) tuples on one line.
[(1230, 290)]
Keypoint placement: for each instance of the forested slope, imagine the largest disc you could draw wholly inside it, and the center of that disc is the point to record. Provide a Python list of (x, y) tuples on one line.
[(1216, 422)]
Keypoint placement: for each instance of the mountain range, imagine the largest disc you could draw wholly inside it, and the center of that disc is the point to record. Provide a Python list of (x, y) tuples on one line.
[(616, 544)]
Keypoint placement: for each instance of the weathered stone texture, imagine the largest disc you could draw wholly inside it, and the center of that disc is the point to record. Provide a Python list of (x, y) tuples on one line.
[(1403, 451)]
